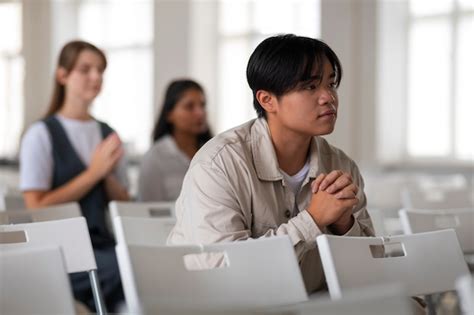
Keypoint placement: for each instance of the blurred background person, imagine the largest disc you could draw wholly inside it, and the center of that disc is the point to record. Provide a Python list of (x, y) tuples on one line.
[(70, 156), (179, 132)]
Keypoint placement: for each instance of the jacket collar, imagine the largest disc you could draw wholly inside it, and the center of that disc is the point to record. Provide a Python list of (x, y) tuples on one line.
[(264, 156)]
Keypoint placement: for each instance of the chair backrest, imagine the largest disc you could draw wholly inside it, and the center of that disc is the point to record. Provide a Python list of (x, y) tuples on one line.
[(387, 300), (33, 280), (257, 273), (461, 220), (10, 201), (465, 290), (416, 198), (58, 212), (385, 222), (142, 231), (142, 209), (72, 235), (423, 263)]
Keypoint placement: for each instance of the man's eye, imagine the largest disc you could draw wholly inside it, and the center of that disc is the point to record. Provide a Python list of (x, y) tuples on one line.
[(333, 85), (310, 87)]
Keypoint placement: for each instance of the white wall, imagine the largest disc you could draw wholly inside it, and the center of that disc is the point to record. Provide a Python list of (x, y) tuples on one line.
[(349, 28), (203, 51), (172, 43), (186, 46), (37, 46)]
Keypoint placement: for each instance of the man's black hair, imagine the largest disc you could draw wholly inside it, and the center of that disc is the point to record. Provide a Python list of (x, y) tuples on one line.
[(281, 62)]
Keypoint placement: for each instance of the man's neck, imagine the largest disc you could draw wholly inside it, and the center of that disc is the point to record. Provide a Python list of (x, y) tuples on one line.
[(291, 148)]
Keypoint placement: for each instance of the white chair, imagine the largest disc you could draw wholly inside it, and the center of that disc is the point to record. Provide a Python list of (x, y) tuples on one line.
[(416, 198), (142, 209), (387, 300), (9, 201), (461, 220), (465, 290), (72, 235), (384, 223), (423, 263), (142, 231), (33, 280), (58, 212), (257, 273)]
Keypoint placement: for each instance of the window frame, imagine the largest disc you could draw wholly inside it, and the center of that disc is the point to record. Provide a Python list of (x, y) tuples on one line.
[(7, 157), (391, 124)]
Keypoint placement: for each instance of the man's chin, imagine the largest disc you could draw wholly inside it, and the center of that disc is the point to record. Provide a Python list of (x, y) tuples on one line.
[(324, 132)]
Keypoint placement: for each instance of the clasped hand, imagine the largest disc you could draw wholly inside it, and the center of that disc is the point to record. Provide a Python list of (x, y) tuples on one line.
[(334, 197)]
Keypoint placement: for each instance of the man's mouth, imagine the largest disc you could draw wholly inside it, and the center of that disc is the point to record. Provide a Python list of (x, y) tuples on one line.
[(328, 113)]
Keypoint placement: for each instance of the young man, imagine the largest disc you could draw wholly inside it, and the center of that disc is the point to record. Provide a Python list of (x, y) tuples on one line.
[(275, 175)]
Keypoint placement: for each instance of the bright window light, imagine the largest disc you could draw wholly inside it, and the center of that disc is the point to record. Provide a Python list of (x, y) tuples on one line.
[(124, 29), (429, 101), (465, 98), (11, 78), (430, 7), (440, 66)]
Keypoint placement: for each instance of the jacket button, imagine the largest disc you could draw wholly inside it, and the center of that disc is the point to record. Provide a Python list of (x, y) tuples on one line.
[(287, 214)]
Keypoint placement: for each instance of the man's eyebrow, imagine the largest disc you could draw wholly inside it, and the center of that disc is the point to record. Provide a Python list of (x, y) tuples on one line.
[(316, 77)]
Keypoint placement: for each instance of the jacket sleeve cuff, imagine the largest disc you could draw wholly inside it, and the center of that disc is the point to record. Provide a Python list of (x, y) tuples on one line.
[(355, 230), (306, 226)]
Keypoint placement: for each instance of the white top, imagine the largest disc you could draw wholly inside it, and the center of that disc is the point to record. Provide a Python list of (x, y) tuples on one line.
[(296, 181), (36, 152), (162, 171)]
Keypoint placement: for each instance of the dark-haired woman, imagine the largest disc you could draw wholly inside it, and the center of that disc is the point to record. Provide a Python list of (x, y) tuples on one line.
[(180, 131), (70, 156)]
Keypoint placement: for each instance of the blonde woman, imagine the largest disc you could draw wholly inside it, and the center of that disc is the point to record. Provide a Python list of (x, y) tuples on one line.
[(70, 156)]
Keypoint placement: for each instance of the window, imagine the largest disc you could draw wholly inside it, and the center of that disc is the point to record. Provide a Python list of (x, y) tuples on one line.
[(11, 78), (124, 29), (242, 26), (439, 86)]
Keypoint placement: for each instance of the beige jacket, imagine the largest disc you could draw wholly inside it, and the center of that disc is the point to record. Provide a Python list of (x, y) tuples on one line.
[(234, 190)]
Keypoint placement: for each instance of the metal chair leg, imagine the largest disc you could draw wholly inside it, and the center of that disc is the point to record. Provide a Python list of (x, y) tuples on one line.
[(97, 293), (431, 303)]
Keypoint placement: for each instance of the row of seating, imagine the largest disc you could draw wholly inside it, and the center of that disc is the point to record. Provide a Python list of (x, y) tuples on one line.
[(412, 220), (71, 237), (155, 276)]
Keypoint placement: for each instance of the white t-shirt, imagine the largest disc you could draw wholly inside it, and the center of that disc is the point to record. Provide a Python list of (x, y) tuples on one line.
[(296, 181), (162, 171), (36, 152)]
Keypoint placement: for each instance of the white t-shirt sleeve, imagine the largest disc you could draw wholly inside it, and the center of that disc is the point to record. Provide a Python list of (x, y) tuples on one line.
[(36, 159), (121, 171)]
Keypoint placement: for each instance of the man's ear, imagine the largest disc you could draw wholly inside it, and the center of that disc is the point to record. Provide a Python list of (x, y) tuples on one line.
[(267, 100), (61, 75)]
